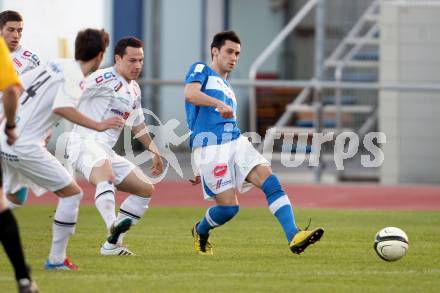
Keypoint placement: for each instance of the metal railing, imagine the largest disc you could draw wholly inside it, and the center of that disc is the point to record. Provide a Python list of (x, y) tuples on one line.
[(313, 84), (267, 52)]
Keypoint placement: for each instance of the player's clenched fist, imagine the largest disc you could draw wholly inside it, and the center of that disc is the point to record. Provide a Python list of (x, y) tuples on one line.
[(225, 110)]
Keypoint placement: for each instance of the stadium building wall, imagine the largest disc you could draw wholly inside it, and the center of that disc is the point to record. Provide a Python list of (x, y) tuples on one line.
[(409, 50)]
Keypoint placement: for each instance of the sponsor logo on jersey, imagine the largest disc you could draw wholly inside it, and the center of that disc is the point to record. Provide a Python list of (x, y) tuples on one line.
[(123, 100), (16, 61), (117, 112), (105, 77), (120, 113), (220, 170), (118, 86), (34, 57), (54, 67), (221, 183), (199, 67)]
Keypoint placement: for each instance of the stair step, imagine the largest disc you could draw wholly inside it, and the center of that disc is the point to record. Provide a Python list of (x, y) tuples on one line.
[(372, 17), (353, 63), (345, 100), (374, 56), (300, 149), (363, 40), (310, 123), (294, 130), (360, 77), (330, 108)]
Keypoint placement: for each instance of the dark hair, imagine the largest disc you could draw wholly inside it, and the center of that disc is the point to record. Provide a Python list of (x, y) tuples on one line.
[(122, 44), (89, 43), (220, 39), (9, 15)]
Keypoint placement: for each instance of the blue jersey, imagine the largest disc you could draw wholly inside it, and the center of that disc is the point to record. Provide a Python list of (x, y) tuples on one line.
[(207, 126)]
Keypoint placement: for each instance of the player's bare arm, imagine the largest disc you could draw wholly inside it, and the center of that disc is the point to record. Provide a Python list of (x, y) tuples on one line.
[(10, 99), (73, 115), (141, 133), (195, 96)]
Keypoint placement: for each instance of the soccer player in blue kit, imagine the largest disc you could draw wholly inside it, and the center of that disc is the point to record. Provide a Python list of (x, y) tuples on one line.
[(225, 160)]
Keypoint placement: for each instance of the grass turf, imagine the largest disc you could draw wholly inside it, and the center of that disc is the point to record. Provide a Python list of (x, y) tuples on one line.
[(251, 254)]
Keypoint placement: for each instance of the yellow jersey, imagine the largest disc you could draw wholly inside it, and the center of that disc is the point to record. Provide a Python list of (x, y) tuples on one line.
[(8, 75)]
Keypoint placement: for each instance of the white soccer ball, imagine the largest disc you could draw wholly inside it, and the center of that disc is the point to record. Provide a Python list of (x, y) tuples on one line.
[(391, 243)]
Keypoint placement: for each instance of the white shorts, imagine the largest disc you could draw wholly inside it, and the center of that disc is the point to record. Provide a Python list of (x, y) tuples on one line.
[(85, 154), (32, 166), (226, 166)]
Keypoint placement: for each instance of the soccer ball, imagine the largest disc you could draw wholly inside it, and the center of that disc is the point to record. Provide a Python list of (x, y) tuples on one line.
[(391, 243)]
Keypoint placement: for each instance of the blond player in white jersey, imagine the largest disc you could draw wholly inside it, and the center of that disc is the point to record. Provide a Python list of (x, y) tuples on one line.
[(23, 59), (114, 92), (53, 94)]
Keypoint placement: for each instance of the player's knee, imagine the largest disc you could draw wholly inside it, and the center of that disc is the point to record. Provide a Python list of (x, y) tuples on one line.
[(13, 202), (21, 195), (148, 190)]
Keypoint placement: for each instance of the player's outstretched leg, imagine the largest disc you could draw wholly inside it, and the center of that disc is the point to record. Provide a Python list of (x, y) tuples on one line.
[(215, 216), (281, 208), (65, 219)]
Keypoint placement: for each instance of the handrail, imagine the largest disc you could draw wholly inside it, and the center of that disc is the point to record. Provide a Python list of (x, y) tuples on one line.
[(268, 51), (323, 84)]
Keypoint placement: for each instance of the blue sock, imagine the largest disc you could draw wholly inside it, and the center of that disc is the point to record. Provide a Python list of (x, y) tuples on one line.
[(216, 216), (279, 205)]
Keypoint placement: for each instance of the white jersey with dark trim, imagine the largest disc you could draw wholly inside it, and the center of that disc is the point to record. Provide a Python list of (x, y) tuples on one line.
[(108, 94), (24, 60), (57, 84)]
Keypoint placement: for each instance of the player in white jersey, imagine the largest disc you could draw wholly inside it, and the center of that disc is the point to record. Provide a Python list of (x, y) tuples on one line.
[(53, 94), (11, 28), (114, 92)]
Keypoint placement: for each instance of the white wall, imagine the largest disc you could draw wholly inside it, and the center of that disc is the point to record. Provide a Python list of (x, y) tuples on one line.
[(47, 20), (409, 50), (180, 44)]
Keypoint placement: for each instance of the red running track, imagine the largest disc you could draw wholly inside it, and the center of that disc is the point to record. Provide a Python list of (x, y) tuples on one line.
[(344, 196)]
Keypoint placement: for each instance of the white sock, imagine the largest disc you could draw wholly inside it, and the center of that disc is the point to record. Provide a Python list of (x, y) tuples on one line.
[(65, 219), (105, 202), (13, 205), (133, 207)]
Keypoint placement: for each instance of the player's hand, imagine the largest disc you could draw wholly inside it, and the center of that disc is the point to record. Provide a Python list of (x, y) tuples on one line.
[(157, 167), (11, 135), (47, 139), (225, 111), (115, 122), (196, 180)]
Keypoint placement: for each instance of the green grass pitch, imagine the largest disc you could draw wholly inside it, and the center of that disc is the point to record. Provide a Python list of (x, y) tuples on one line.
[(251, 254)]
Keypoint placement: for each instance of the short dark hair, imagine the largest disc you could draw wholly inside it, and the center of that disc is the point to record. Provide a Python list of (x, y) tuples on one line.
[(89, 43), (220, 39), (122, 44), (9, 15)]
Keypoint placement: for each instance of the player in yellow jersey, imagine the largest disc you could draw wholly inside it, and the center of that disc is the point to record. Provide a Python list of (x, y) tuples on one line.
[(9, 235)]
